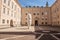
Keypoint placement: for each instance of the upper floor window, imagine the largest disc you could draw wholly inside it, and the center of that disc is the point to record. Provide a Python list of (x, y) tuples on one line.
[(4, 1), (45, 13), (46, 19), (8, 12), (3, 9), (26, 13), (15, 7), (12, 5), (34, 14), (8, 2), (37, 13), (58, 22), (42, 19), (42, 22), (42, 13), (58, 16)]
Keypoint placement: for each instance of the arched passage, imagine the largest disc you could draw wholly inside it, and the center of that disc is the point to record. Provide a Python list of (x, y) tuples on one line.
[(36, 22), (11, 23)]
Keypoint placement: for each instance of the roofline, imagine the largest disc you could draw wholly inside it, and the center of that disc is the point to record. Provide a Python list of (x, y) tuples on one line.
[(17, 2), (54, 3)]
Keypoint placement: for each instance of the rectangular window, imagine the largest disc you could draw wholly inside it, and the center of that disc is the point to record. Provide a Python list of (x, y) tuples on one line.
[(15, 7), (42, 13), (7, 21), (4, 1), (4, 10), (12, 5), (42, 22), (45, 22), (12, 13), (8, 2), (8, 12), (3, 21), (58, 22)]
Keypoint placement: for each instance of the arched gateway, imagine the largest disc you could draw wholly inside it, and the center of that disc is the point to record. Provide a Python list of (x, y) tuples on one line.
[(36, 21), (11, 23)]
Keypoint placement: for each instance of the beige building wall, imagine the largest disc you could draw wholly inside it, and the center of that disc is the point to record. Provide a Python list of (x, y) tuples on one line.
[(0, 10), (55, 9), (10, 13), (42, 15)]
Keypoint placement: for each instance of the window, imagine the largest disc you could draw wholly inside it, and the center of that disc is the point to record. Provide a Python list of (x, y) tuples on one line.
[(37, 13), (58, 16), (46, 19), (8, 2), (42, 18), (3, 21), (7, 21), (34, 14), (26, 13), (15, 7), (42, 22), (8, 12), (11, 13), (15, 14), (12, 5), (4, 1), (58, 22), (42, 13), (26, 18), (26, 23), (45, 22), (57, 9), (4, 10)]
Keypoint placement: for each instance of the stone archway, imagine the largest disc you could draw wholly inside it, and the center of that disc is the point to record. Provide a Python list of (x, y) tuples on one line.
[(36, 22), (11, 23)]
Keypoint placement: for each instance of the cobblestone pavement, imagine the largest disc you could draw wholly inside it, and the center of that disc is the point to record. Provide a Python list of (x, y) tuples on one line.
[(47, 35)]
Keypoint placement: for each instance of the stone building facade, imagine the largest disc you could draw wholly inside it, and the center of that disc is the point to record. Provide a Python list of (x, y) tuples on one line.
[(55, 10), (10, 13), (42, 15)]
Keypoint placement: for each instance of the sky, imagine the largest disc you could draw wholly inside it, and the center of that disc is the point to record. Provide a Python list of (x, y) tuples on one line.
[(40, 3)]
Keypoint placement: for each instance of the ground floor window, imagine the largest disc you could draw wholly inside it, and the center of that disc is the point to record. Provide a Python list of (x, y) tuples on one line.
[(7, 21), (42, 22), (3, 21), (45, 22)]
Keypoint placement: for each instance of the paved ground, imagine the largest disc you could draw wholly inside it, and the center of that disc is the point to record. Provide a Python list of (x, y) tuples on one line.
[(29, 29), (18, 29), (35, 36), (44, 33), (16, 37), (47, 28), (45, 36)]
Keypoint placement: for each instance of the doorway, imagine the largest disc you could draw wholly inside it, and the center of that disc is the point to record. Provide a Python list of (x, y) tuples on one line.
[(11, 23), (36, 22)]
